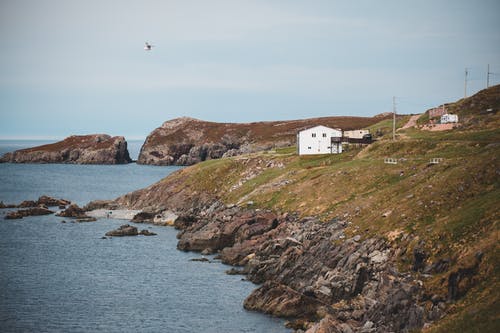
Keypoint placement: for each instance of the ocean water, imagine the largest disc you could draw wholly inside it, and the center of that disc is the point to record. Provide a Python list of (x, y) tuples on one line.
[(63, 277)]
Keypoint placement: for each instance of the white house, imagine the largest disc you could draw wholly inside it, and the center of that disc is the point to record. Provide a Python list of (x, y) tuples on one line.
[(449, 118), (319, 140)]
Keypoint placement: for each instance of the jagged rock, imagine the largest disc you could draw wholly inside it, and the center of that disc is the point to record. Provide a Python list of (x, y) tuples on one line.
[(221, 234), (27, 203), (145, 232), (73, 211), (143, 217), (282, 301), (34, 211), (100, 204), (52, 202), (82, 149), (329, 325), (184, 221), (123, 230)]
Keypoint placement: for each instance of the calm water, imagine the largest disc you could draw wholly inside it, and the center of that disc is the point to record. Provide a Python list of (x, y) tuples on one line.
[(62, 277)]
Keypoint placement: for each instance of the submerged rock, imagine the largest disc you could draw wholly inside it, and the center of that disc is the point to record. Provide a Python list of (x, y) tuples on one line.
[(145, 232), (123, 230)]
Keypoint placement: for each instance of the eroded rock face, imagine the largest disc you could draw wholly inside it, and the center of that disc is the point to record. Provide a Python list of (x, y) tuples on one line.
[(77, 149), (309, 270), (222, 231)]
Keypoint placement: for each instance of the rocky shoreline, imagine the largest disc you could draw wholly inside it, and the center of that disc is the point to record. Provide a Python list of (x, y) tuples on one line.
[(309, 272)]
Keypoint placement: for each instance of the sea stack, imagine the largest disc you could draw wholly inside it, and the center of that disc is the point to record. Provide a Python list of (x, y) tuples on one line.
[(76, 149)]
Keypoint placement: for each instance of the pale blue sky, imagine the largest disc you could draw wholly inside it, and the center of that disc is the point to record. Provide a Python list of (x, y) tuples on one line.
[(75, 67)]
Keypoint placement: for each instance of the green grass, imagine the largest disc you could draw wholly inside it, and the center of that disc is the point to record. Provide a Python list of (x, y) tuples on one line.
[(466, 221)]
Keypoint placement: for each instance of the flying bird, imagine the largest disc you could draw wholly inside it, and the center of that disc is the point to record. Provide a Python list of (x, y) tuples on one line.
[(148, 46)]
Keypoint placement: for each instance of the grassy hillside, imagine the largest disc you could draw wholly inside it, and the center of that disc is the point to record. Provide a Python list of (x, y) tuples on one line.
[(448, 211), (451, 209)]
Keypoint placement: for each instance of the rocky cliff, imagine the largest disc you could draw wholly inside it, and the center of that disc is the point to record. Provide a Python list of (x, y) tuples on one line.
[(78, 149), (186, 141)]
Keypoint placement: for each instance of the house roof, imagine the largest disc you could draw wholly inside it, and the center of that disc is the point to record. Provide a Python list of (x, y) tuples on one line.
[(319, 126)]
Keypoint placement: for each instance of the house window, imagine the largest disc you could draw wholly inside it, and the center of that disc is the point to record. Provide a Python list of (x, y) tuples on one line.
[(324, 135), (314, 135)]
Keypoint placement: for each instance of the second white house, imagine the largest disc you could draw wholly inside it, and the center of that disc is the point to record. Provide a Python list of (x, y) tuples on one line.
[(319, 140)]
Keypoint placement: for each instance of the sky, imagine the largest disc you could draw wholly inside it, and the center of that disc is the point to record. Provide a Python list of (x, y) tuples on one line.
[(79, 67)]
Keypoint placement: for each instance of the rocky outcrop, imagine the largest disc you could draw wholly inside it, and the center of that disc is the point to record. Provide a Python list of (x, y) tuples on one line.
[(77, 149), (123, 230), (186, 141), (309, 270), (44, 201), (35, 211), (73, 211), (128, 230)]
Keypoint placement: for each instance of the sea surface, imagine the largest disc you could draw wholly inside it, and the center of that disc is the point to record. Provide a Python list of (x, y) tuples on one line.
[(63, 277)]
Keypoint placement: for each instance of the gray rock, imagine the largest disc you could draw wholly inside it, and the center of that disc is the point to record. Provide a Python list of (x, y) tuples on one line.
[(124, 230)]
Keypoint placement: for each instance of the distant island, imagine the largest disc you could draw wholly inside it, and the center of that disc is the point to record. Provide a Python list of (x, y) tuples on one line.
[(76, 149)]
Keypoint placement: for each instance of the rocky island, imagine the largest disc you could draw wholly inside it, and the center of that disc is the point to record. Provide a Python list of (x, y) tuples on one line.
[(77, 149), (186, 141), (347, 243)]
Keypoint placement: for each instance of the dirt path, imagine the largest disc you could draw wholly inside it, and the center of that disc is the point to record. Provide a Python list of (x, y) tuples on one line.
[(412, 122)]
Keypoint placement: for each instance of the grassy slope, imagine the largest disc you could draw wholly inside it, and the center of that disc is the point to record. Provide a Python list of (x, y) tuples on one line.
[(450, 209)]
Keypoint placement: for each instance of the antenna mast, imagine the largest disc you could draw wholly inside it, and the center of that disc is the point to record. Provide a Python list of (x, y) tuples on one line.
[(465, 83), (393, 118), (488, 77)]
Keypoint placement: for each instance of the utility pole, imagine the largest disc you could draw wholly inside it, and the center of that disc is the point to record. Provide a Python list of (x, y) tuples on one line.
[(465, 83), (393, 118), (488, 77)]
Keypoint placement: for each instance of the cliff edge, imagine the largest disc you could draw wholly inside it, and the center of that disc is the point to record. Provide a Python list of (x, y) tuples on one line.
[(77, 149)]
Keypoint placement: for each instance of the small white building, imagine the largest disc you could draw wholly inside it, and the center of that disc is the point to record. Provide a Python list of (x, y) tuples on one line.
[(319, 140), (449, 118), (356, 134)]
